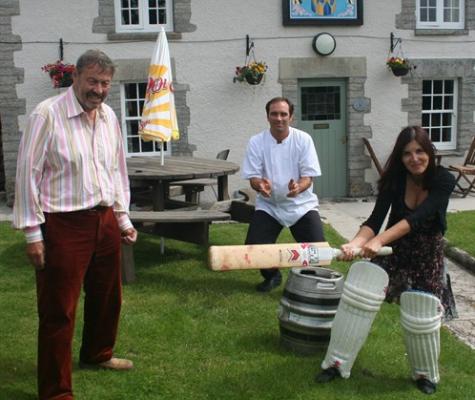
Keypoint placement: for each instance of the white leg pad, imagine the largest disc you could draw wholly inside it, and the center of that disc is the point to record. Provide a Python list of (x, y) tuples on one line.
[(363, 292), (421, 315)]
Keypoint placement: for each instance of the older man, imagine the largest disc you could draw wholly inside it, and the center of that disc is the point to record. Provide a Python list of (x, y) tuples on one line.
[(280, 164), (71, 200)]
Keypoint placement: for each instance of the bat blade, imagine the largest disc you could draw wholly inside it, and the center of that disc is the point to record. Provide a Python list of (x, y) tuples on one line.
[(282, 255), (263, 256)]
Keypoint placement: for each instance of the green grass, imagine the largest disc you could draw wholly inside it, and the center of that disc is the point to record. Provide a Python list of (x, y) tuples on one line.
[(197, 334), (461, 232)]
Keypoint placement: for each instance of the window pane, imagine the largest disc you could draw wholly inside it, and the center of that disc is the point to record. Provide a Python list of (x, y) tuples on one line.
[(125, 18), (435, 134), (446, 134), (423, 3), (152, 17), (162, 16), (449, 86), (125, 3), (448, 102), (436, 120), (131, 109), (152, 3), (162, 3), (438, 87), (433, 3), (134, 3), (130, 91), (437, 103), (447, 119), (135, 17), (432, 15)]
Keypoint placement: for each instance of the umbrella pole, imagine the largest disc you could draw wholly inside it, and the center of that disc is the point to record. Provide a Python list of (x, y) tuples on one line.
[(161, 152)]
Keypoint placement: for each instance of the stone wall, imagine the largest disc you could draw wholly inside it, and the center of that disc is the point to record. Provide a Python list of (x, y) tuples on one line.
[(10, 105)]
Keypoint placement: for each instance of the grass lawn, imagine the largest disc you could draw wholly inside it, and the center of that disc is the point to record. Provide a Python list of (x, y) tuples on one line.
[(461, 232), (197, 334)]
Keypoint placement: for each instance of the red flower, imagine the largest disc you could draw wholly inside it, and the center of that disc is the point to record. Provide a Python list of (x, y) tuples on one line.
[(60, 73)]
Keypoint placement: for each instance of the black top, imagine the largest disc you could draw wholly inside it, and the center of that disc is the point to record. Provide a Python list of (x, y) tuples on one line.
[(427, 216)]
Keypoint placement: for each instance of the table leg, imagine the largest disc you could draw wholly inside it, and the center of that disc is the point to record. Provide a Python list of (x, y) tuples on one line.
[(158, 195), (223, 192)]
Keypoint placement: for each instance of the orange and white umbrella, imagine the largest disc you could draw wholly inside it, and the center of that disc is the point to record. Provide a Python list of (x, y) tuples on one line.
[(159, 120)]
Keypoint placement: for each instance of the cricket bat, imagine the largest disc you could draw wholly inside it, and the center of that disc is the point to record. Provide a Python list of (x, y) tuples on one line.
[(287, 255)]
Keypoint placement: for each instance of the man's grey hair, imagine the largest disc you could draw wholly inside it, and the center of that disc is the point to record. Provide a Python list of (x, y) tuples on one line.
[(95, 57)]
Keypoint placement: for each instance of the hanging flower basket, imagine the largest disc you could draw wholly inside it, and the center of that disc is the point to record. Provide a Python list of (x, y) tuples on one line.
[(252, 73), (61, 74), (399, 66)]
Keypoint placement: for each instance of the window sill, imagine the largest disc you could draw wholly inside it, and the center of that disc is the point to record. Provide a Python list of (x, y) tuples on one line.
[(440, 32), (141, 36)]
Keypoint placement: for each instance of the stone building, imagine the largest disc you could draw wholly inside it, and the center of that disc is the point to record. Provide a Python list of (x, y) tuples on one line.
[(340, 98)]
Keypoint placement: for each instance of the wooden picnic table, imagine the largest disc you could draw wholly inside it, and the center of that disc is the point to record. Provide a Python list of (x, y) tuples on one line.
[(149, 170)]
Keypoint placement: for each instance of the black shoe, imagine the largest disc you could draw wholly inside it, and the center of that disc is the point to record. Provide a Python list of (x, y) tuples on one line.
[(426, 386), (327, 375), (269, 284)]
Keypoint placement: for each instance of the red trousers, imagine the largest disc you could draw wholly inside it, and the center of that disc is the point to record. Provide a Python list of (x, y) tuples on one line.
[(81, 248)]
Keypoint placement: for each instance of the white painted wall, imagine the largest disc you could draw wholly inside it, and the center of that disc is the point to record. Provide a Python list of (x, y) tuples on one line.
[(225, 114)]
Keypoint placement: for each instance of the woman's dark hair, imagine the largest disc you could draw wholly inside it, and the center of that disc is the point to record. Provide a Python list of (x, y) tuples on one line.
[(394, 169)]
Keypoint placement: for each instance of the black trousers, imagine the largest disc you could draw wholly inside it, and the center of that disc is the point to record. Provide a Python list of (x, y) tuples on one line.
[(264, 229)]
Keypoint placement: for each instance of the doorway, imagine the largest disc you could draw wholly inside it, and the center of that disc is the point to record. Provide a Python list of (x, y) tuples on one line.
[(322, 114)]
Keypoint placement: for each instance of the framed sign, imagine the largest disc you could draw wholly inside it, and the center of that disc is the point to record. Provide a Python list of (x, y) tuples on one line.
[(322, 12)]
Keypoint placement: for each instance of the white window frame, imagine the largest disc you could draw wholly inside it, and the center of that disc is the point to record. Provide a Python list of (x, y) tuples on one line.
[(440, 145), (143, 25), (127, 135), (439, 22)]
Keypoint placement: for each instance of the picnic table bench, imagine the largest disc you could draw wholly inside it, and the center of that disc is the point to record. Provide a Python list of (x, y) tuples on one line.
[(190, 226), (186, 225)]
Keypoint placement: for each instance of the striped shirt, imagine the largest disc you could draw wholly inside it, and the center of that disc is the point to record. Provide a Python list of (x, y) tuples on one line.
[(67, 163)]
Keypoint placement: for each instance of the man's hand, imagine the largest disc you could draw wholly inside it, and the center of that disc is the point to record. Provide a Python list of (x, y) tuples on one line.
[(129, 236), (262, 186), (36, 254), (297, 187), (294, 188)]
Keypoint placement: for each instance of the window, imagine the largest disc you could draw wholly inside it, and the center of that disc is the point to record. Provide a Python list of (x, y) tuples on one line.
[(320, 103), (132, 100), (440, 14), (439, 112), (143, 15)]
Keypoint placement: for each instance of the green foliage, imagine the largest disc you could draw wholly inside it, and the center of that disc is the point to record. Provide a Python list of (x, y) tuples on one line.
[(198, 334), (460, 230)]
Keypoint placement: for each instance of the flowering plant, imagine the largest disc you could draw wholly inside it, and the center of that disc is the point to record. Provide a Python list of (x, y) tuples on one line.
[(60, 73), (398, 63), (252, 72)]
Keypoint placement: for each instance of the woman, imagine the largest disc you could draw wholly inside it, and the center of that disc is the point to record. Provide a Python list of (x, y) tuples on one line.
[(418, 193)]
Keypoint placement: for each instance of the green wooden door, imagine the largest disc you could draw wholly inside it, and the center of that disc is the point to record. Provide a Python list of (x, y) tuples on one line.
[(321, 112)]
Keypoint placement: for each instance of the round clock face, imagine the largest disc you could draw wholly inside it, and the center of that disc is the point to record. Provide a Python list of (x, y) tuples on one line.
[(324, 44)]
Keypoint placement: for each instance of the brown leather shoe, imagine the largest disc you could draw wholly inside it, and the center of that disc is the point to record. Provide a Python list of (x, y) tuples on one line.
[(117, 364)]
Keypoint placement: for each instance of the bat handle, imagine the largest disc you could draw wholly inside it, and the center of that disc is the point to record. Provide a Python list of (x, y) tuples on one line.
[(383, 251)]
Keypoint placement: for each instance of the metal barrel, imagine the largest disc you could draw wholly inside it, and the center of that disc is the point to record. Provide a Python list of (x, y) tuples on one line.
[(308, 307)]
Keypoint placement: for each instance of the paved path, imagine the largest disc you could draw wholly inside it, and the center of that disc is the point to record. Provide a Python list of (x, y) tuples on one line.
[(346, 218)]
